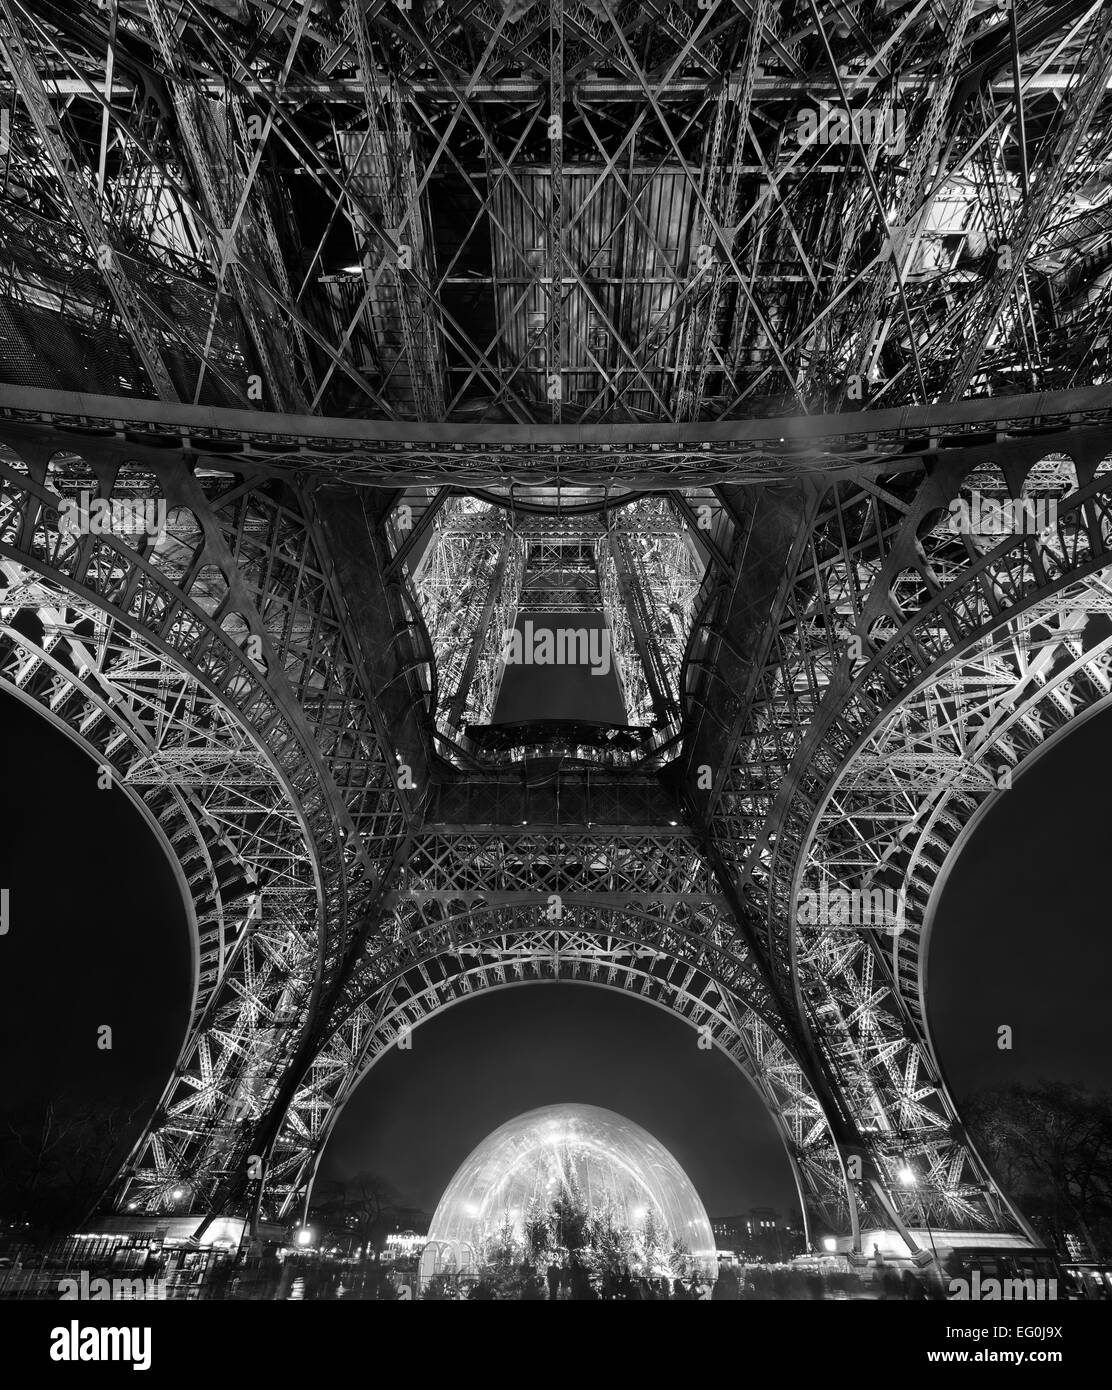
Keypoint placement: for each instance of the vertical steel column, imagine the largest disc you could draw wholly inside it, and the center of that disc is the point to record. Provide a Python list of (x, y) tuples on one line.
[(640, 619), (459, 699), (554, 260)]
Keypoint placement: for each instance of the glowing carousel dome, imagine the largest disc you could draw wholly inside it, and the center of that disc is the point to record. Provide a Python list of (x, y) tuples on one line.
[(614, 1165)]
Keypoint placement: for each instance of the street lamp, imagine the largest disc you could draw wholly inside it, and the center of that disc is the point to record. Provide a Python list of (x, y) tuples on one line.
[(907, 1177)]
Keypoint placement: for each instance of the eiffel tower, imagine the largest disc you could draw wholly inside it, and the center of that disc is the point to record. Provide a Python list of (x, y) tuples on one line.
[(341, 341)]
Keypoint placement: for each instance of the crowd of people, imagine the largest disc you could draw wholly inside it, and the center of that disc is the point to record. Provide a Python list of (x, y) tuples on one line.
[(573, 1282)]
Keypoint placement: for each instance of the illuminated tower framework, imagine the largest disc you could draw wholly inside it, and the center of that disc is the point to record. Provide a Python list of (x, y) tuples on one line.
[(483, 564), (405, 318)]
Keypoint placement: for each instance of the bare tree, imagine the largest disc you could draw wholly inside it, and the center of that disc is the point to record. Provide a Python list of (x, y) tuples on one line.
[(1050, 1145), (363, 1204), (57, 1157)]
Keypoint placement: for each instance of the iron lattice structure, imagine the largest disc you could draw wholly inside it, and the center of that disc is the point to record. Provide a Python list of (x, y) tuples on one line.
[(693, 320)]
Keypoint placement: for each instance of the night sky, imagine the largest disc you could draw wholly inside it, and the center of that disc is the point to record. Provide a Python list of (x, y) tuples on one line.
[(97, 936), (551, 692), (97, 929)]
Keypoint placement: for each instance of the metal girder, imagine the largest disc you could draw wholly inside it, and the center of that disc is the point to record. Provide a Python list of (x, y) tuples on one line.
[(678, 251), (385, 147), (916, 669), (1080, 108), (227, 208), (554, 241), (643, 457), (592, 88), (208, 685), (614, 199), (100, 241), (646, 697)]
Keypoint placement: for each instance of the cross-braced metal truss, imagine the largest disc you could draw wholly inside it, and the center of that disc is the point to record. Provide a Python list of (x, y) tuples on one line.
[(707, 320), (477, 910), (913, 666), (891, 821), (949, 654), (561, 211), (597, 955), (636, 567), (203, 665)]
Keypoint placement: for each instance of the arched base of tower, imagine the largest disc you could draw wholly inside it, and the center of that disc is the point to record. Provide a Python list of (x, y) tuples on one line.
[(889, 1246), (225, 1233)]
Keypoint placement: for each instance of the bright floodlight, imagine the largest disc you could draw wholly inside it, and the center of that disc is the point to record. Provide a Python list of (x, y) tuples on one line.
[(304, 1236), (907, 1177), (527, 1161), (829, 1244)]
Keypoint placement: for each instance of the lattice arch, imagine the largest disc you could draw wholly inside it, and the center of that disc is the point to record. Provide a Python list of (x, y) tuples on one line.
[(1001, 652), (652, 269), (601, 950), (258, 806), (895, 818), (235, 839)]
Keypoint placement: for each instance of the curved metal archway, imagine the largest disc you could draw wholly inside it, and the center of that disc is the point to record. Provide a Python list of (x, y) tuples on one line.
[(150, 650), (170, 287), (932, 616), (905, 745), (507, 955)]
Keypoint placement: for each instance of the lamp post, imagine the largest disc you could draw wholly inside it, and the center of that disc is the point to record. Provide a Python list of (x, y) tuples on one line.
[(908, 1179)]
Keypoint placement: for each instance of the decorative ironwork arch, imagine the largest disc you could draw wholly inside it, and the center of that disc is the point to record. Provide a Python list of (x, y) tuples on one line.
[(505, 955), (159, 323), (912, 732), (144, 656)]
